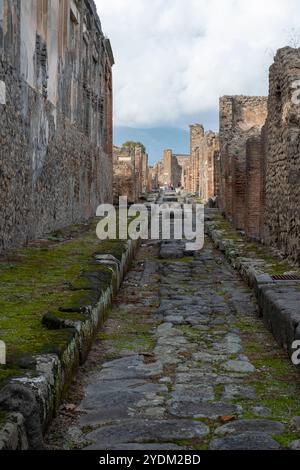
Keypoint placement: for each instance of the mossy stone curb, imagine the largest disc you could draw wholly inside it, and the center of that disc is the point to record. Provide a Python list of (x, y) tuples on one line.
[(49, 375), (278, 301)]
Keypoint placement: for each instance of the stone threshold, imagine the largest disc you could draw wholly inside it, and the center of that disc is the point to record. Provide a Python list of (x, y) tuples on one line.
[(35, 397), (278, 300)]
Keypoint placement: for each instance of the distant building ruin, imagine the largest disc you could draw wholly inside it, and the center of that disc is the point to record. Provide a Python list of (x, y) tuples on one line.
[(131, 176), (259, 164), (194, 172)]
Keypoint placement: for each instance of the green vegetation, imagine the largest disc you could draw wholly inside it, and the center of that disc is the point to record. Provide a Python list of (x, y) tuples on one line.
[(50, 276), (131, 144), (134, 334), (271, 264), (276, 381)]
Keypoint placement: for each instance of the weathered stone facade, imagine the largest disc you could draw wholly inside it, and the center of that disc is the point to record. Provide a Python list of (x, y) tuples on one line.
[(209, 146), (196, 136), (55, 116), (254, 207), (282, 154), (217, 174), (184, 167), (130, 173), (241, 118), (124, 181), (156, 172), (259, 169), (173, 169)]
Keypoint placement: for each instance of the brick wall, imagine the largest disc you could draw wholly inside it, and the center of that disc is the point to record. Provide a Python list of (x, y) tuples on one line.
[(130, 173), (241, 117), (254, 187)]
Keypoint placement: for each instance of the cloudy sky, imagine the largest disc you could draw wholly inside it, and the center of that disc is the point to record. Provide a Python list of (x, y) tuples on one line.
[(174, 58)]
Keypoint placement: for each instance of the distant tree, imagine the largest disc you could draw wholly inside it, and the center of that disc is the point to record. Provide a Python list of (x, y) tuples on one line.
[(293, 37), (131, 144)]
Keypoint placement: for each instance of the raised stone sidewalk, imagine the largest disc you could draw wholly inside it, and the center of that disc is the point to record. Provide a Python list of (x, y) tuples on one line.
[(271, 279), (183, 362), (30, 397)]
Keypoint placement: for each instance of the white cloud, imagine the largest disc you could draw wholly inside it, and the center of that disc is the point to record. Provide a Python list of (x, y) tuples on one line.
[(174, 58)]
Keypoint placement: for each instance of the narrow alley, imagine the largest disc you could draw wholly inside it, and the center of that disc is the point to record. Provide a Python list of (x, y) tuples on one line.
[(183, 362)]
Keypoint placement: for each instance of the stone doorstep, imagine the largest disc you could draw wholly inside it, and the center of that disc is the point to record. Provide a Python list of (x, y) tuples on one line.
[(47, 382), (278, 301)]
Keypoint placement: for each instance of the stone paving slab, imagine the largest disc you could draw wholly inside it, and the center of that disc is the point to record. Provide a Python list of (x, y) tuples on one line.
[(139, 431), (183, 362)]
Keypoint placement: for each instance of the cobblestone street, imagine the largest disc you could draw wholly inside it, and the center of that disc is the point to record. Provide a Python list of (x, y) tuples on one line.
[(183, 362), (149, 231)]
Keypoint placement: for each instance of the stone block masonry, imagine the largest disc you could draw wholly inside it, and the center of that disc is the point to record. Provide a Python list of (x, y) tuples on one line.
[(259, 169), (55, 117), (196, 136), (241, 117), (282, 162), (130, 173), (209, 145)]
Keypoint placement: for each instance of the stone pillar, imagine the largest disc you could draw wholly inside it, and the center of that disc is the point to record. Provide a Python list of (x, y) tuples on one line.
[(241, 117), (254, 181), (196, 136), (138, 170), (217, 174), (167, 167)]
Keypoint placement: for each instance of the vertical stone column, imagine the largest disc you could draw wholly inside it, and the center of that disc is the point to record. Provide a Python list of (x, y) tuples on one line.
[(196, 136), (254, 180), (209, 144), (167, 167), (238, 189), (282, 144), (139, 170), (225, 129), (217, 174)]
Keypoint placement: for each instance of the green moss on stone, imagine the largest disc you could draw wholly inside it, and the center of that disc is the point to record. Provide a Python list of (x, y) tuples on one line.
[(46, 277)]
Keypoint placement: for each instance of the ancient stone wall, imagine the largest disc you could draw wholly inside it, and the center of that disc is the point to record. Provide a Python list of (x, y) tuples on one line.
[(282, 150), (130, 173), (209, 144), (254, 207), (124, 175), (193, 172), (183, 171), (167, 168), (156, 175), (196, 136), (241, 117), (145, 173), (217, 174), (55, 116)]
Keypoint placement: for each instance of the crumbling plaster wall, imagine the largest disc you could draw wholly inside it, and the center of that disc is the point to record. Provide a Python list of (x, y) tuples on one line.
[(55, 116)]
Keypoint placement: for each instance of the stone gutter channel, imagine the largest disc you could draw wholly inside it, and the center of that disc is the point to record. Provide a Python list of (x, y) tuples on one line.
[(278, 300), (29, 403)]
